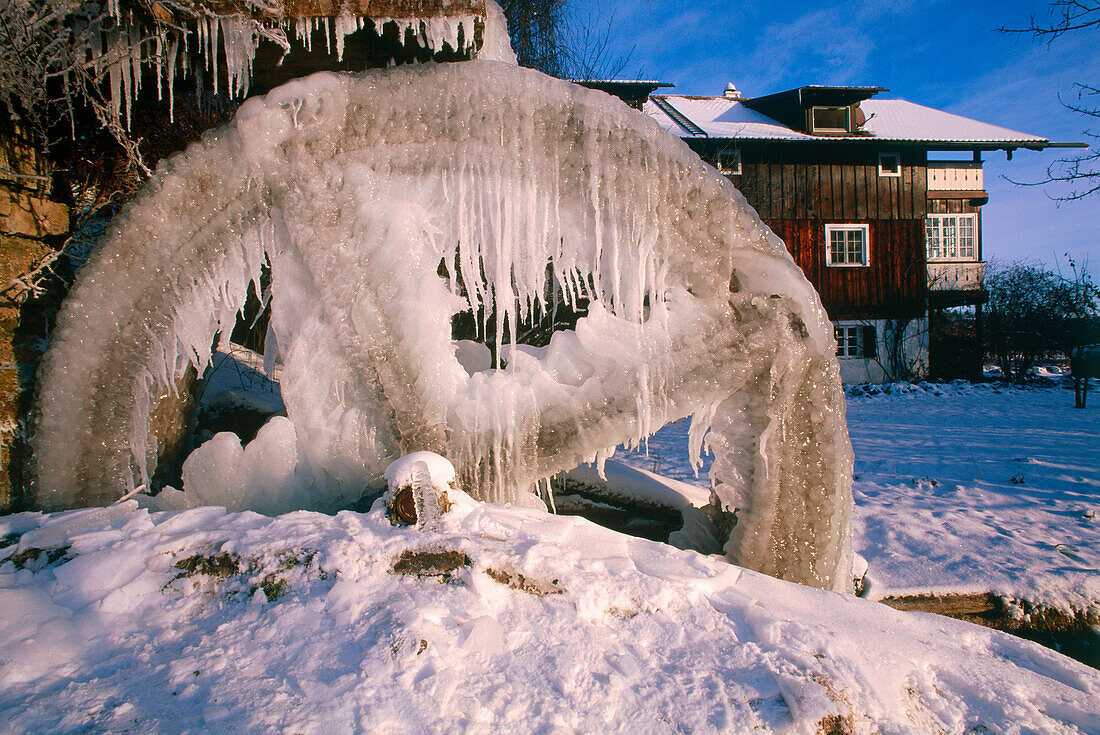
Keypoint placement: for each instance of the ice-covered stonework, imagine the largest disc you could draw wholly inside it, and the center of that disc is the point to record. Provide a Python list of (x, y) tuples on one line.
[(385, 204)]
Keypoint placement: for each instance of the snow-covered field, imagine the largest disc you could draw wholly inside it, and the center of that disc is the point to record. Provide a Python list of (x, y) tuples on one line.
[(965, 488), (198, 621), (510, 619), (980, 489)]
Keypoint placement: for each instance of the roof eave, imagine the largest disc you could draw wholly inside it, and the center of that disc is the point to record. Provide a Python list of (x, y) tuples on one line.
[(968, 145)]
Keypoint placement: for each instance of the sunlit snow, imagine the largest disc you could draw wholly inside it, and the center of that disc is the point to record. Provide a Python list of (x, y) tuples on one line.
[(202, 621)]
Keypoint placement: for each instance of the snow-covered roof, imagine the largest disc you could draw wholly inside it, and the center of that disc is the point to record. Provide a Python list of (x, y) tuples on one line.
[(654, 82), (887, 120), (903, 120)]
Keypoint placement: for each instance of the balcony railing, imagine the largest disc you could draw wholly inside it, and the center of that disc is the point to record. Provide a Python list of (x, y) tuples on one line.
[(966, 276), (955, 176)]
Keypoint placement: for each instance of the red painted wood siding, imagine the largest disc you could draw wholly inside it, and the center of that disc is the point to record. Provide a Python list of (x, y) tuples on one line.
[(891, 286), (798, 188)]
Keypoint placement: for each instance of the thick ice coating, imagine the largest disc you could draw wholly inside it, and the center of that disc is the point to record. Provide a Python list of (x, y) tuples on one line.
[(390, 201), (400, 472)]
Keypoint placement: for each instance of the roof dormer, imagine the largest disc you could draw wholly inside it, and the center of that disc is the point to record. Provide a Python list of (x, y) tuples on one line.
[(826, 111)]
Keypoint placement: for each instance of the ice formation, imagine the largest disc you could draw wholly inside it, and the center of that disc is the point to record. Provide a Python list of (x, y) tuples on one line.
[(387, 202), (402, 472), (119, 48)]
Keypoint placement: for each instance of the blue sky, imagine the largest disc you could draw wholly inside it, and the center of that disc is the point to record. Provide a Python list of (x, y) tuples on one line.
[(942, 54)]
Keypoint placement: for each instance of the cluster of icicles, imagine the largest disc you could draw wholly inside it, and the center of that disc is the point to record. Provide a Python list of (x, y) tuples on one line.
[(385, 203), (118, 47)]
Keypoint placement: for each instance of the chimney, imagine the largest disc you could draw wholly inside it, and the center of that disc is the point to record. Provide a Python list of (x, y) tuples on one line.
[(731, 92)]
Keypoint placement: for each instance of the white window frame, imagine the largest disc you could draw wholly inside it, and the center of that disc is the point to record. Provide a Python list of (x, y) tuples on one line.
[(815, 128), (865, 229), (897, 159), (849, 341), (951, 238), (729, 162)]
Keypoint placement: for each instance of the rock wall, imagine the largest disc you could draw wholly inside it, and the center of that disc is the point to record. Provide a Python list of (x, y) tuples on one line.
[(32, 227)]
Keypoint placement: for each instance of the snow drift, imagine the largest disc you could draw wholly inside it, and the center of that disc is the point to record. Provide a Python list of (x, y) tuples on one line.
[(117, 619), (386, 203)]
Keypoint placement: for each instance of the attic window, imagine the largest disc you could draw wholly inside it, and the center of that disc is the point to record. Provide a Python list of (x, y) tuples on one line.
[(831, 120), (729, 162), (889, 164)]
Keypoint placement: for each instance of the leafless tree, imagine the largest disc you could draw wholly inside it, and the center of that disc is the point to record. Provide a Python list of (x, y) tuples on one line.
[(1081, 172), (1035, 311), (1063, 16), (569, 39), (64, 66)]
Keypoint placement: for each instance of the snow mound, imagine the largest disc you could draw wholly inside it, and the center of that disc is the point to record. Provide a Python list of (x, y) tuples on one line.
[(505, 619)]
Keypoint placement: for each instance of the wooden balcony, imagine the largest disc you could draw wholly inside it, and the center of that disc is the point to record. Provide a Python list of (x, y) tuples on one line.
[(956, 284), (954, 176), (965, 276)]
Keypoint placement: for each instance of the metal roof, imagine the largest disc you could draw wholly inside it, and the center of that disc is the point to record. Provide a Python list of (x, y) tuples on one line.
[(895, 121)]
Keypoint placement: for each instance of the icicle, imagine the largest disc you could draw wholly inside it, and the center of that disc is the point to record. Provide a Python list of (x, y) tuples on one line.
[(213, 50), (346, 24), (158, 60), (173, 48), (115, 79), (239, 43), (425, 498), (135, 39)]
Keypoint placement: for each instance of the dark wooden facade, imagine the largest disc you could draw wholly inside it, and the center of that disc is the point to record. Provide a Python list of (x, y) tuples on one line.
[(954, 205), (799, 187)]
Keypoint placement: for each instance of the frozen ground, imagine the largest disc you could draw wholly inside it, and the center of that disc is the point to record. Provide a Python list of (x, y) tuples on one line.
[(966, 488), (505, 620)]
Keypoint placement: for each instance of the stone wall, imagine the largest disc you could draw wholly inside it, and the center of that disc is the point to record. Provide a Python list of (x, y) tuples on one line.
[(32, 227)]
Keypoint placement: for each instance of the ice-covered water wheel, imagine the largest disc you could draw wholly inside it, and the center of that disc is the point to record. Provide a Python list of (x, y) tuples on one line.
[(355, 188)]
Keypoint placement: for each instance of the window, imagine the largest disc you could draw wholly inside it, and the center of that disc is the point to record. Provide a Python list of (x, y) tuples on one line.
[(831, 120), (846, 245), (856, 340), (729, 162), (889, 164), (951, 236)]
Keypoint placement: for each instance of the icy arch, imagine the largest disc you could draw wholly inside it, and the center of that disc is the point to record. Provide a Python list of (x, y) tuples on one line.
[(387, 202)]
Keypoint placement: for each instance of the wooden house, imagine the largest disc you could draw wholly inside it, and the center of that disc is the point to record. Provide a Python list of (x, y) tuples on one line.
[(879, 201)]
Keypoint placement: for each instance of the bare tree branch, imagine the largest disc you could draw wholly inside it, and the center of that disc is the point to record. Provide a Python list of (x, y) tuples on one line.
[(1081, 173), (1063, 16), (569, 39)]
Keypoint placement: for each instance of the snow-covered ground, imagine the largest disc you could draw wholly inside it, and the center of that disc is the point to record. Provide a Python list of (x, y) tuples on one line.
[(982, 488), (510, 619), (965, 488), (506, 619)]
